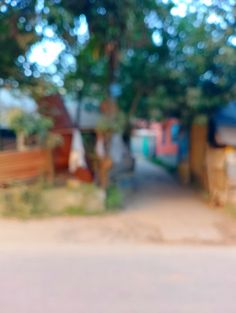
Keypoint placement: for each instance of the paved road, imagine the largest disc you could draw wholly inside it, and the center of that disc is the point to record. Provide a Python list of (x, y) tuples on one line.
[(121, 279)]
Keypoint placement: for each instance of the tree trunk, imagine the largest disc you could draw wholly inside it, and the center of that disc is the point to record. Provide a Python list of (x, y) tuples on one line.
[(134, 104), (112, 52)]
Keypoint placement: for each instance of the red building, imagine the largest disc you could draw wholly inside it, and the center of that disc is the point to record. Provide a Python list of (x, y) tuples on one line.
[(166, 133), (53, 107)]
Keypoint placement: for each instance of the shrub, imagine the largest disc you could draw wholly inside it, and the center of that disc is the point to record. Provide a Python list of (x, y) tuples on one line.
[(26, 124), (24, 202), (114, 198)]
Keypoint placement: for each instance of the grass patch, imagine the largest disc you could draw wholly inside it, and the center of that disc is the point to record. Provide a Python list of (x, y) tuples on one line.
[(24, 202), (80, 211), (72, 199), (38, 201), (114, 198)]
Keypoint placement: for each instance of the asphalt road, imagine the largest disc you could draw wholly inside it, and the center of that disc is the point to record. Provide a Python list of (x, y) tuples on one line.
[(118, 279)]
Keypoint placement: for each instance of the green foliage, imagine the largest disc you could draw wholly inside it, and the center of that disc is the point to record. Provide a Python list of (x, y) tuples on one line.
[(16, 28), (191, 70), (114, 199), (41, 200), (29, 124), (42, 125), (20, 122), (81, 211), (201, 119), (52, 140), (24, 202), (113, 124)]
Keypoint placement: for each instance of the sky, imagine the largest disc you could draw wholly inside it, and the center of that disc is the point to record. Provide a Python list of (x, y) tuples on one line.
[(47, 51)]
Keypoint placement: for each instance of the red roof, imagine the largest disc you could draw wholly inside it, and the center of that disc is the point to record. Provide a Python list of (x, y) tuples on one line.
[(53, 106)]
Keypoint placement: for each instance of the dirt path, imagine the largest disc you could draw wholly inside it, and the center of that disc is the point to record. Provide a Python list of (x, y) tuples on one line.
[(177, 211), (158, 210)]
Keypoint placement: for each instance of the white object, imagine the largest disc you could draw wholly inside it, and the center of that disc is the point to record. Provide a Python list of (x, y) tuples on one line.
[(100, 148), (77, 153), (227, 136), (117, 149)]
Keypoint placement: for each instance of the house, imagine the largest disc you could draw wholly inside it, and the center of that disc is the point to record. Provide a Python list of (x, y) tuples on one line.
[(157, 139), (167, 139), (212, 154), (222, 126), (221, 154), (53, 107), (65, 125), (19, 165), (84, 113)]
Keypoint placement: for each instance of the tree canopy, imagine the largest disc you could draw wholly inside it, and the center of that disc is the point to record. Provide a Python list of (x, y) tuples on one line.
[(157, 57)]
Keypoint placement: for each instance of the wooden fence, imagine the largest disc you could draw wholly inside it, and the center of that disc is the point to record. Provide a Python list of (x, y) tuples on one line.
[(197, 155), (218, 184), (24, 165)]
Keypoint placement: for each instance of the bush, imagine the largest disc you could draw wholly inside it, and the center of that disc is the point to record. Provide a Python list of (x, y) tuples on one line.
[(24, 202), (114, 198), (41, 200), (26, 124)]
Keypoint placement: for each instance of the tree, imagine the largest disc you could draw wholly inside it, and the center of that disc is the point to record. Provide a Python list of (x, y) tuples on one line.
[(182, 74), (205, 58), (165, 62), (16, 29), (115, 28)]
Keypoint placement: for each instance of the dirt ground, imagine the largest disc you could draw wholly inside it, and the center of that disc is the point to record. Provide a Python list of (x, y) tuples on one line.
[(158, 210)]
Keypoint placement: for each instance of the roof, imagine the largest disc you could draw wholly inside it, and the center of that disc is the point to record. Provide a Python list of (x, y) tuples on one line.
[(53, 106), (222, 126), (226, 116)]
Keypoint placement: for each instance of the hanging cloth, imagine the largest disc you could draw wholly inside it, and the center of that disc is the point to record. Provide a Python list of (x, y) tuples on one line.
[(77, 153), (100, 148)]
